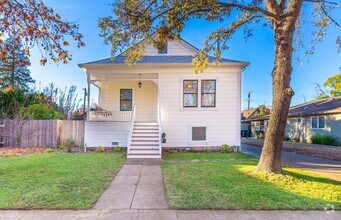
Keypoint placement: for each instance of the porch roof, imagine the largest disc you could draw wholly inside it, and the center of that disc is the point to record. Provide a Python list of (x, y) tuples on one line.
[(161, 59)]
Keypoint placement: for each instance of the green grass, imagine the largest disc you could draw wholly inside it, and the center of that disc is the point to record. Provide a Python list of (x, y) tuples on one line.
[(56, 180), (227, 181)]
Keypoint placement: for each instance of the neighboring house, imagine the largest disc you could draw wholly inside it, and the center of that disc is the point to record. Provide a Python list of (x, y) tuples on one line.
[(252, 127), (160, 102), (319, 117)]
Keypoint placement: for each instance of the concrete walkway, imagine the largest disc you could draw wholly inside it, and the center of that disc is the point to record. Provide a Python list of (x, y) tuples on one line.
[(166, 215), (326, 168), (138, 185)]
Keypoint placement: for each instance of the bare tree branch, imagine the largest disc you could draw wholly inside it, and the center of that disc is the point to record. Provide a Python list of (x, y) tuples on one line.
[(250, 9), (328, 16)]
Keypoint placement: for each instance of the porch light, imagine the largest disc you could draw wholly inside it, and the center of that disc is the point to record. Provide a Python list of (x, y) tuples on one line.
[(139, 83)]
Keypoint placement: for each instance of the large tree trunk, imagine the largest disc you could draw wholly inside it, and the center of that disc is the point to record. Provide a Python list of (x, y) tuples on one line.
[(270, 160)]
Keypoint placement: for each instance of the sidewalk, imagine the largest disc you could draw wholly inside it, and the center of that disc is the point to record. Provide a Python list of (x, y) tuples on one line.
[(138, 185), (326, 168), (166, 215)]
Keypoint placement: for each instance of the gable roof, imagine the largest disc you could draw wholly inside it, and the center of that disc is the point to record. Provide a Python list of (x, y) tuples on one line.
[(316, 107), (247, 113), (162, 59)]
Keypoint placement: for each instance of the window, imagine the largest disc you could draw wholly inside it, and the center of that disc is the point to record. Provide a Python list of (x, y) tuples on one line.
[(163, 50), (190, 95), (208, 90), (299, 120), (126, 99), (318, 122), (198, 133)]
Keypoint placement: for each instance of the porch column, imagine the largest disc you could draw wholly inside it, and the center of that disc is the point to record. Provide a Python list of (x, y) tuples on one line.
[(88, 107)]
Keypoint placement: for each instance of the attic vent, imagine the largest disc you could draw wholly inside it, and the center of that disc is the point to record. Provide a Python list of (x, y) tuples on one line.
[(198, 133)]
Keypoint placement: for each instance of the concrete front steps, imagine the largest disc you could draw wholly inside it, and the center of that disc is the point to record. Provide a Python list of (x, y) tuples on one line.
[(145, 141)]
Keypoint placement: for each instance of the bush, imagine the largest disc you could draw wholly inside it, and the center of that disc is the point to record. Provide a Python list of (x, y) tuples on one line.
[(69, 143), (117, 148), (40, 112), (260, 136), (49, 150), (296, 139), (325, 140), (226, 149), (100, 149)]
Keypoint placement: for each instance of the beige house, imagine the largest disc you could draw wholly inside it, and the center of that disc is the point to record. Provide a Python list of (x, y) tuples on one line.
[(159, 102), (319, 117)]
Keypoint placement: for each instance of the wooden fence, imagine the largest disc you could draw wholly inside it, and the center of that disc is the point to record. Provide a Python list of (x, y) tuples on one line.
[(40, 133)]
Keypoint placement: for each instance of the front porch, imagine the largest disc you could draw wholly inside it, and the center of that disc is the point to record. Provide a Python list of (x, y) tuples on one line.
[(123, 100)]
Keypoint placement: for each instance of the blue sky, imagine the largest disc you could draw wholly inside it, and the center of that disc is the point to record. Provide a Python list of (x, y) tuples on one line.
[(258, 50)]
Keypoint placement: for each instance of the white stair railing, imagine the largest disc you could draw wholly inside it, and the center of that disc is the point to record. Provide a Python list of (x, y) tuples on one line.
[(160, 128), (131, 127)]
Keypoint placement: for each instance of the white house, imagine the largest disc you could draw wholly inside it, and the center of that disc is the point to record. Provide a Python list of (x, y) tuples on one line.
[(159, 102)]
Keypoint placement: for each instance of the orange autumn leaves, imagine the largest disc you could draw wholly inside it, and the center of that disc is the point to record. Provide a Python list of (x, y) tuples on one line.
[(34, 24)]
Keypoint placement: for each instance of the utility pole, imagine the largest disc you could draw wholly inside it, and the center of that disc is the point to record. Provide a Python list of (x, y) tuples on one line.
[(85, 94), (248, 100)]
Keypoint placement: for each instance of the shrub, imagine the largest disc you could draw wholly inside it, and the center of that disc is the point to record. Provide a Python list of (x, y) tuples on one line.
[(325, 140), (296, 139), (49, 150), (69, 143), (117, 148), (225, 148), (191, 149), (100, 149), (260, 136)]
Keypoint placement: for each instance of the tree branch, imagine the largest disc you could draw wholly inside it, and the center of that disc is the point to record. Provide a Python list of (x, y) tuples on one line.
[(321, 1), (328, 16), (250, 9)]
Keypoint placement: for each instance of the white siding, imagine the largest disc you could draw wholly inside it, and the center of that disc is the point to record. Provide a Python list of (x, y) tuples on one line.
[(173, 47), (146, 98), (222, 122), (104, 133)]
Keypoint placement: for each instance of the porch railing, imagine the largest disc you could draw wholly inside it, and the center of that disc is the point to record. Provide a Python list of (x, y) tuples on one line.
[(131, 127), (110, 115), (160, 128)]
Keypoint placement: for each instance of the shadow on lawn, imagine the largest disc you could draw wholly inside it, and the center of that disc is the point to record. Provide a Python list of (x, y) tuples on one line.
[(232, 185)]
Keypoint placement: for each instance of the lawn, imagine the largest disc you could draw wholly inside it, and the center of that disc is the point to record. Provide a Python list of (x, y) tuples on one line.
[(56, 180), (227, 181)]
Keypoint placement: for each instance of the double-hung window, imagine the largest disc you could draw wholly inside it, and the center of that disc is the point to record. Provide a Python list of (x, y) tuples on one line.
[(190, 95), (318, 122), (208, 91), (126, 99)]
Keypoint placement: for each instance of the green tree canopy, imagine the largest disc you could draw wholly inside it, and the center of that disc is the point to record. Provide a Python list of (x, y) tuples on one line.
[(13, 70)]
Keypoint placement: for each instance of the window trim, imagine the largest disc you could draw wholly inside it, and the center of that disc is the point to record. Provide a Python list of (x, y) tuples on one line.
[(299, 122), (317, 122), (204, 93), (126, 100), (183, 93)]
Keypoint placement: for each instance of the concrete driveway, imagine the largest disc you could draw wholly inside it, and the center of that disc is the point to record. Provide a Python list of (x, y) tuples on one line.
[(327, 168)]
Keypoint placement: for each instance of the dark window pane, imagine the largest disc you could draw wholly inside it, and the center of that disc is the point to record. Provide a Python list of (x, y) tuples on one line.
[(321, 122), (126, 94), (190, 100), (126, 106), (314, 122), (208, 100), (190, 86), (208, 86), (198, 133)]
